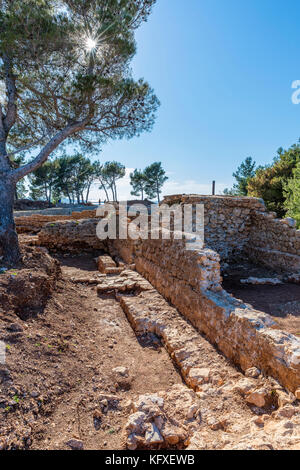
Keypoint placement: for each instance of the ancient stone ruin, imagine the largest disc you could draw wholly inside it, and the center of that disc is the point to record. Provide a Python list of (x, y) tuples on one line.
[(219, 344), (191, 280)]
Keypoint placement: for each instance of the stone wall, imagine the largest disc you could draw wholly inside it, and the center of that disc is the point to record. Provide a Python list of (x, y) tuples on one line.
[(235, 228), (34, 223), (242, 227), (274, 242), (191, 281), (227, 221), (71, 235), (200, 269)]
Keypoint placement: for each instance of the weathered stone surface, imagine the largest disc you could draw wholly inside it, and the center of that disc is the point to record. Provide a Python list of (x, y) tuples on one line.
[(127, 281), (273, 242), (264, 432), (35, 222), (104, 264), (241, 225), (164, 419), (197, 377), (244, 335), (258, 398), (227, 220), (252, 372), (71, 235)]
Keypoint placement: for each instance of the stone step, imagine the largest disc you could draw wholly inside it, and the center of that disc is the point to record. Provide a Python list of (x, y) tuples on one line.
[(127, 281)]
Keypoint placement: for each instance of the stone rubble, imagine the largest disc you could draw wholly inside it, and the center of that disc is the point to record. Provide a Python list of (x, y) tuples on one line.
[(163, 420), (127, 281)]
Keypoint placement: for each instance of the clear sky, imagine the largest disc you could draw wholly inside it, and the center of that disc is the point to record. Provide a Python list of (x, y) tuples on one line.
[(223, 70)]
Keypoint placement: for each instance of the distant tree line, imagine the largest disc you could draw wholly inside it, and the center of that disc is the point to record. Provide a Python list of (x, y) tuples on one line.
[(148, 182), (278, 184), (71, 178)]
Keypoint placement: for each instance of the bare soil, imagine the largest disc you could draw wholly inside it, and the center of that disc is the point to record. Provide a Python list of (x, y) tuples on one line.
[(58, 384), (281, 301)]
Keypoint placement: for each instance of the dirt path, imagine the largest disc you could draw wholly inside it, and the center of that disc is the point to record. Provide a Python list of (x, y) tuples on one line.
[(96, 407)]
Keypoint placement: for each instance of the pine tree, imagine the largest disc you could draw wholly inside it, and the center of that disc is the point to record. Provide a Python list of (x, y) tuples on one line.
[(269, 181), (138, 182), (156, 178), (292, 193), (42, 181), (111, 173), (65, 71), (244, 173)]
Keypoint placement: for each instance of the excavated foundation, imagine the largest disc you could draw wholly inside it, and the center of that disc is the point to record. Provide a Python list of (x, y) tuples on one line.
[(177, 418), (241, 373), (191, 281)]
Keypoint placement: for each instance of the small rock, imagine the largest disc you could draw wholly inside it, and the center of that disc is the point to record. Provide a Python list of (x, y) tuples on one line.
[(97, 414), (192, 411), (257, 398), (152, 435), (123, 371), (104, 402), (286, 412), (132, 442), (297, 394), (284, 398), (244, 386), (197, 377), (253, 372), (75, 444), (259, 421), (127, 405), (14, 327), (136, 421), (216, 424)]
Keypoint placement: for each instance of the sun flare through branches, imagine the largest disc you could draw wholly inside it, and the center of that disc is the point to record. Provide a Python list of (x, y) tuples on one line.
[(90, 44)]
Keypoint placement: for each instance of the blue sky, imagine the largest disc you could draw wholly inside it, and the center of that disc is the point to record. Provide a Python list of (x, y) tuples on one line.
[(223, 70)]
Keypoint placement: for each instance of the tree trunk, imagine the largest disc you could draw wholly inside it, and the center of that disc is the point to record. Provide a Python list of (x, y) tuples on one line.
[(87, 193), (69, 197), (50, 197), (112, 193), (106, 193), (9, 244)]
